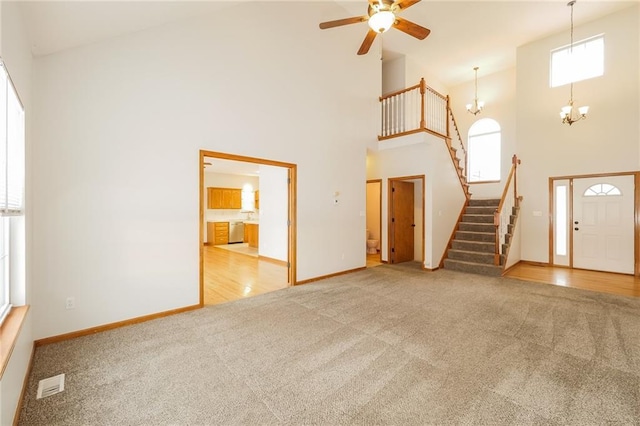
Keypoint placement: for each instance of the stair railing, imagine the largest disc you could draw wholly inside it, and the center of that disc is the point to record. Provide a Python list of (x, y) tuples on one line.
[(456, 140), (420, 108), (508, 201), (414, 109)]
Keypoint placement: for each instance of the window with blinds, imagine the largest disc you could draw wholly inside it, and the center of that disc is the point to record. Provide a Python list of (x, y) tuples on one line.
[(12, 149)]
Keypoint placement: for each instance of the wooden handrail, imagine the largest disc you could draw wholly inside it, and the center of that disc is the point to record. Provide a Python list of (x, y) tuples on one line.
[(455, 125), (435, 92), (399, 92), (497, 214), (399, 118)]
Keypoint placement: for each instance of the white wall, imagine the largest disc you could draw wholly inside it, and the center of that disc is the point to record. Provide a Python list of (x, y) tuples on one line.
[(393, 75), (498, 90), (274, 202), (607, 141), (403, 72), (122, 239), (15, 52)]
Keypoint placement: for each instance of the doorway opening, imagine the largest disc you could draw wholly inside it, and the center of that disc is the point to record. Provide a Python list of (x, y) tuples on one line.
[(262, 257), (373, 236), (406, 219), (593, 222)]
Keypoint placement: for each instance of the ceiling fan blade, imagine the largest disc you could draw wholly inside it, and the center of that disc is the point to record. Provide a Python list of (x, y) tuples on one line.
[(368, 41), (406, 4), (340, 22), (410, 28)]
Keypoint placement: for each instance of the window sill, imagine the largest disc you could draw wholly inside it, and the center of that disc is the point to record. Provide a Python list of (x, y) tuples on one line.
[(9, 332)]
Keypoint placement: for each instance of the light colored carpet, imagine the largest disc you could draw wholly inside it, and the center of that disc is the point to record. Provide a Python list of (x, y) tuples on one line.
[(386, 345)]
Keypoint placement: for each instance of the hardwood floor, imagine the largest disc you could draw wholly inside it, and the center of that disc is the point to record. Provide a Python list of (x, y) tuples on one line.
[(231, 276), (603, 282), (373, 260)]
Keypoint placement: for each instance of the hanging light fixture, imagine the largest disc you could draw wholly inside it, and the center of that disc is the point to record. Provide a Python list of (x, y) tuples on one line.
[(381, 17), (476, 107), (568, 113)]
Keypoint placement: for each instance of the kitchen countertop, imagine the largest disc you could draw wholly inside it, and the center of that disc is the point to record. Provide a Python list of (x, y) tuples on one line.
[(251, 222)]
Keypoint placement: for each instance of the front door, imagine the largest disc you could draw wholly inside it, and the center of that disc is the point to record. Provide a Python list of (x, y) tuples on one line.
[(402, 222), (603, 224)]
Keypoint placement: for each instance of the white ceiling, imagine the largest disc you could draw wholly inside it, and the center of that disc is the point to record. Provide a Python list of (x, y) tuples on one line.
[(464, 33)]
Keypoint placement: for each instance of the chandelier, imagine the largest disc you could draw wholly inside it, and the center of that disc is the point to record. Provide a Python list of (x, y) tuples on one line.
[(568, 113), (477, 105)]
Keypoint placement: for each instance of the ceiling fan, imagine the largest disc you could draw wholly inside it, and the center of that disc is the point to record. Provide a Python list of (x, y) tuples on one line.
[(382, 15)]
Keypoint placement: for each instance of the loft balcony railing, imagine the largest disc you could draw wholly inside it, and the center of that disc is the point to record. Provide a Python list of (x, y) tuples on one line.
[(420, 108)]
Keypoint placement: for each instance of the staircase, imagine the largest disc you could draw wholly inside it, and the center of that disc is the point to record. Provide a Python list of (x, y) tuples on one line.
[(474, 245)]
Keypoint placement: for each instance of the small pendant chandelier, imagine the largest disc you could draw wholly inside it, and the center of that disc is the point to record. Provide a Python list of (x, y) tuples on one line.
[(568, 113), (476, 107)]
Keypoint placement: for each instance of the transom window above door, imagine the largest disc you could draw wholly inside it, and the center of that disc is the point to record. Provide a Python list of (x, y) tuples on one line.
[(601, 189)]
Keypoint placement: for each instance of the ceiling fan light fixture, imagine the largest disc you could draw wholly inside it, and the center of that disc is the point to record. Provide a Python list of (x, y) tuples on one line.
[(381, 21)]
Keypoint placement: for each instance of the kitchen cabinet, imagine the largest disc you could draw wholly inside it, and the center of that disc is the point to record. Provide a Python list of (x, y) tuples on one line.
[(257, 199), (251, 234), (224, 198), (218, 233)]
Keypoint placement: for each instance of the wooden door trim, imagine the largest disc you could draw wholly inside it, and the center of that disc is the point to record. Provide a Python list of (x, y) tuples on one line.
[(389, 211), (636, 213), (292, 210)]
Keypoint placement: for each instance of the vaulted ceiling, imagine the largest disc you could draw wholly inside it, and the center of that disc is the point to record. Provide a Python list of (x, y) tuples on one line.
[(464, 33)]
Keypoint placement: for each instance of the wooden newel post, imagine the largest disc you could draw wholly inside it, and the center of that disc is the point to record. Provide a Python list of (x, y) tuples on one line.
[(423, 89)]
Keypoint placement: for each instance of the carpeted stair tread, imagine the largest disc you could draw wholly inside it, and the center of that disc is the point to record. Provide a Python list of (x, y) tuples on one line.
[(474, 268), (472, 256), (478, 246), (475, 202), (465, 235), (481, 210), (477, 227), (477, 218), (474, 244)]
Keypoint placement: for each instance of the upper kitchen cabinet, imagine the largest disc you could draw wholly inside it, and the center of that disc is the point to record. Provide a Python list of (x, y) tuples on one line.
[(224, 198)]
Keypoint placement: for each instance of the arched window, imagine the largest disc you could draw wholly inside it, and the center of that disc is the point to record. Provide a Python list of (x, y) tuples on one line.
[(601, 189), (483, 151)]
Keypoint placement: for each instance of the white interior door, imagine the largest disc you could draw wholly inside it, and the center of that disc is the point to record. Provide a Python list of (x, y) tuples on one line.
[(603, 223)]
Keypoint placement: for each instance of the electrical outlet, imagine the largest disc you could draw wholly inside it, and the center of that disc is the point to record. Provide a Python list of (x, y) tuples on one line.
[(70, 303)]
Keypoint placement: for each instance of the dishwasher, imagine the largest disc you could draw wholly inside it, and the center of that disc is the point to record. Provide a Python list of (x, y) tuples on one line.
[(236, 232)]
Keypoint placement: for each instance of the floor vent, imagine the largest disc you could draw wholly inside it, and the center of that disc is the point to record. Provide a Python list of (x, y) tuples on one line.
[(50, 386)]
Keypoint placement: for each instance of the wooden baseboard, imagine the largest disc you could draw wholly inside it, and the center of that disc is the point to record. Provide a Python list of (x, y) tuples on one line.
[(310, 280), (530, 262), (25, 385), (424, 268), (111, 326), (272, 260), (504, 271)]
